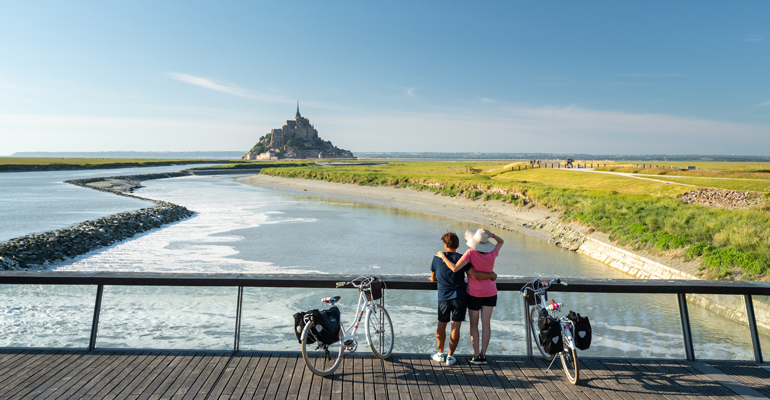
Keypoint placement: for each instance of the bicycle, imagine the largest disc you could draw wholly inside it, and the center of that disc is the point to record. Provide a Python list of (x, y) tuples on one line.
[(324, 359), (535, 294)]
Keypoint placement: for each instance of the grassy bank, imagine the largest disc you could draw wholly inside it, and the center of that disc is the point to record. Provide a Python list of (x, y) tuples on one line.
[(730, 244), (13, 164)]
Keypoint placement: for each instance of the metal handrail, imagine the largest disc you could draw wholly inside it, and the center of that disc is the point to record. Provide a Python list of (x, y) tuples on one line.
[(398, 282)]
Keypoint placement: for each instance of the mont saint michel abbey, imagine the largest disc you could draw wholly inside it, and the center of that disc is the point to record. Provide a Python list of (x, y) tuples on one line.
[(296, 139)]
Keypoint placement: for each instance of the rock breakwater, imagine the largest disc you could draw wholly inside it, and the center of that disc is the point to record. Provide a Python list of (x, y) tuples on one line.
[(724, 198), (40, 249)]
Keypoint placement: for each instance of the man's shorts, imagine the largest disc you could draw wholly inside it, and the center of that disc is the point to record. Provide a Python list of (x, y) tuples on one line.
[(475, 303), (452, 309)]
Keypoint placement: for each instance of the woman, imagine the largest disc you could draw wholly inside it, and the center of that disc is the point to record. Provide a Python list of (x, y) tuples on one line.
[(482, 294)]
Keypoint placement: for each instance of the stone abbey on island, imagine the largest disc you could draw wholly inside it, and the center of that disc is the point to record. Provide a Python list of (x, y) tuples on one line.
[(296, 139)]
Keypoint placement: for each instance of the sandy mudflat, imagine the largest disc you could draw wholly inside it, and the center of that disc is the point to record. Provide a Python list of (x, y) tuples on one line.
[(488, 213)]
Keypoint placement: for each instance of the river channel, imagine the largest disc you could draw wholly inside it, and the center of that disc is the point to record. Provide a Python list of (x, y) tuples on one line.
[(243, 228)]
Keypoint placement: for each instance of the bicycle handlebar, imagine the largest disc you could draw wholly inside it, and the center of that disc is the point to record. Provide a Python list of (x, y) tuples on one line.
[(359, 282), (539, 285)]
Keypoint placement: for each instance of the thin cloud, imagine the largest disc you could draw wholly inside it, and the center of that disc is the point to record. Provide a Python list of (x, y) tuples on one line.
[(767, 103), (754, 38), (231, 89), (487, 101), (410, 92), (647, 75)]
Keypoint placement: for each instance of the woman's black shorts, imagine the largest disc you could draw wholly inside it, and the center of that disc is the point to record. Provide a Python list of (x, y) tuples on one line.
[(475, 303)]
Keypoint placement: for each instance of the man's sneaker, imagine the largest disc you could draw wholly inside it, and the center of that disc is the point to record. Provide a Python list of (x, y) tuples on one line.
[(479, 360), (450, 360), (440, 357)]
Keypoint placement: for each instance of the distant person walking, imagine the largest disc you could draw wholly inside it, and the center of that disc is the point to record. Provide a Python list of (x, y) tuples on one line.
[(482, 293), (452, 296)]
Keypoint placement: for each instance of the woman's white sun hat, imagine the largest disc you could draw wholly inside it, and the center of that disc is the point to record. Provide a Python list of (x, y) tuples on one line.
[(478, 240)]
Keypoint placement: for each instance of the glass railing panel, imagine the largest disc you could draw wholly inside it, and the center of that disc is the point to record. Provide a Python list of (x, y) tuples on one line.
[(268, 324), (628, 325), (762, 313), (46, 315), (720, 329), (168, 317)]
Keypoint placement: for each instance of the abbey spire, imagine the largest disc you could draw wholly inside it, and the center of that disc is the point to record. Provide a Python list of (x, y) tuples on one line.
[(298, 115)]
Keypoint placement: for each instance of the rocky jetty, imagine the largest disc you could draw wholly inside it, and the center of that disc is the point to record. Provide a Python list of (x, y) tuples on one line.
[(724, 198), (40, 249)]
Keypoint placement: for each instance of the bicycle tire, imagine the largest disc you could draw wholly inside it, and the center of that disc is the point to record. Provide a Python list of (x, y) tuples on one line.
[(321, 359), (382, 342), (533, 317), (569, 359)]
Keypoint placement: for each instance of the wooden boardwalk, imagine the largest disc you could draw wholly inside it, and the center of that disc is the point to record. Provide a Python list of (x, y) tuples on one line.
[(102, 374)]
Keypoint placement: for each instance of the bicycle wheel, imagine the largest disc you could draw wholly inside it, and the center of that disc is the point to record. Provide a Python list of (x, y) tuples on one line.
[(321, 359), (379, 331), (533, 317), (569, 359)]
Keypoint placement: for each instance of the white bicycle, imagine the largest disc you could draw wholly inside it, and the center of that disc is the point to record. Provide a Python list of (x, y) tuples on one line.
[(323, 359), (535, 294)]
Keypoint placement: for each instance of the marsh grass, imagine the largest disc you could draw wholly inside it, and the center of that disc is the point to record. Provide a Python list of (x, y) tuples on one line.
[(646, 215)]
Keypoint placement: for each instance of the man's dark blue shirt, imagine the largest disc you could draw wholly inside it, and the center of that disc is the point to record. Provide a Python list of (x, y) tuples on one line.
[(451, 285)]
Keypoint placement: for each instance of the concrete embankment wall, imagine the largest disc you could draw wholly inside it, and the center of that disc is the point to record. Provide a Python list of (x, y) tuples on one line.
[(732, 307)]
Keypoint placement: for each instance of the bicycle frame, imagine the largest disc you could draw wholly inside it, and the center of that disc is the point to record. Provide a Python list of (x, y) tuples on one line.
[(363, 306)]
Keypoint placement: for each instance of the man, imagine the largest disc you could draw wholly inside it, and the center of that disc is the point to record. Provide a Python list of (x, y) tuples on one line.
[(452, 294)]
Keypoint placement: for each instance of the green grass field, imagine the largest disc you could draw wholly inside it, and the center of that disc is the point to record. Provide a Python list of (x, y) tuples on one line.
[(731, 244), (31, 164)]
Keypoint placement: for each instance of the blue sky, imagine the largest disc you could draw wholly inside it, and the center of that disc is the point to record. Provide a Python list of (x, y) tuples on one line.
[(514, 76)]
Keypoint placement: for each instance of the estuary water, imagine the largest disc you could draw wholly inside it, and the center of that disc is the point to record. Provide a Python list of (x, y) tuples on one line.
[(243, 228)]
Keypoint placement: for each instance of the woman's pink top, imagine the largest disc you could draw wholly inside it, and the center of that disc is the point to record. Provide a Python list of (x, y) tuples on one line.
[(481, 263)]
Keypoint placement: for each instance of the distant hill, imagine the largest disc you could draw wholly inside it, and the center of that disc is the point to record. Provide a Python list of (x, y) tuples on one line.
[(556, 156), (132, 154)]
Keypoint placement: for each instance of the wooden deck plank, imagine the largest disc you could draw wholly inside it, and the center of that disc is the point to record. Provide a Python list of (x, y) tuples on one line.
[(263, 375), (116, 376), (159, 387), (104, 374), (124, 379), (289, 375), (86, 371), (240, 384), (20, 362), (277, 382), (26, 383), (204, 385), (228, 379), (182, 377), (144, 377)]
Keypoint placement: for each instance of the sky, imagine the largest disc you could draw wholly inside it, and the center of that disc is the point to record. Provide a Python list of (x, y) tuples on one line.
[(601, 77)]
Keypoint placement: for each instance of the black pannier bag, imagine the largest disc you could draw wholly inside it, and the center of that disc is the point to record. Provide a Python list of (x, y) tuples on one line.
[(531, 298), (582, 330), (550, 333), (299, 325), (329, 322), (375, 290)]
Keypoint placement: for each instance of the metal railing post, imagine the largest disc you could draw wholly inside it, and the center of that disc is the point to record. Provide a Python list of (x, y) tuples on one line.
[(95, 322), (753, 328), (238, 313), (689, 350), (527, 328)]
